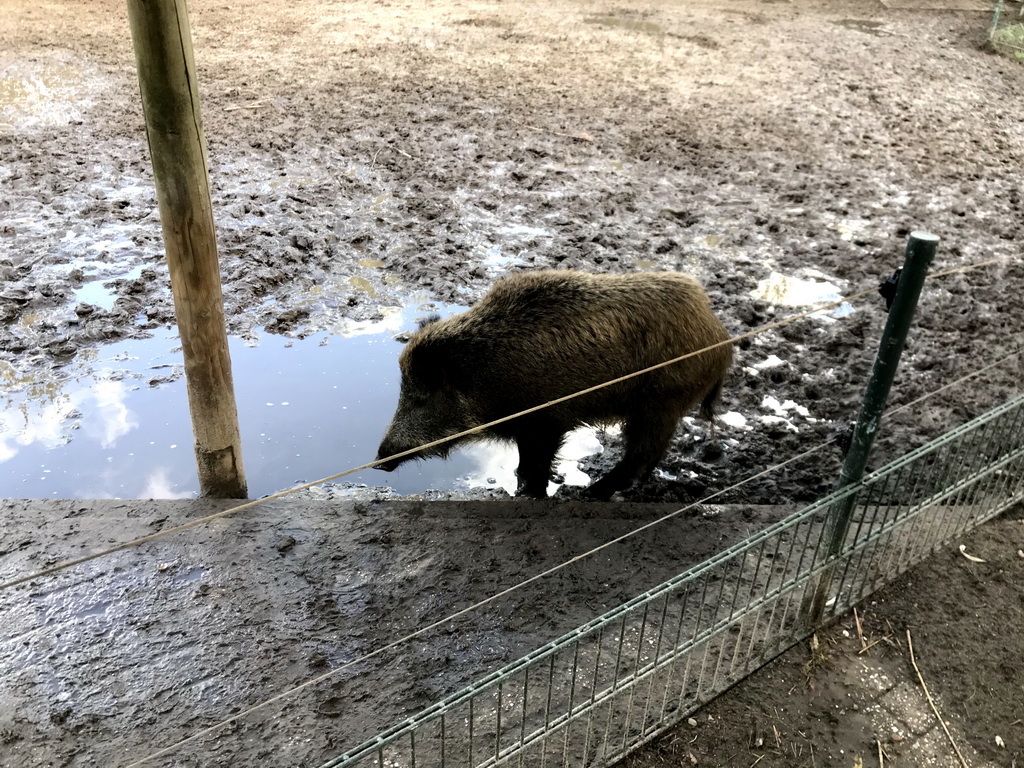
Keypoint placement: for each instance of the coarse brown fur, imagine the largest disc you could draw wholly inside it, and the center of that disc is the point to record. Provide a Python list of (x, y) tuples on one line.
[(538, 336)]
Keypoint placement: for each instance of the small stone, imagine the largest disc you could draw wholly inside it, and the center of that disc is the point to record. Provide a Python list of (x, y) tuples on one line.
[(285, 543), (692, 723), (318, 659)]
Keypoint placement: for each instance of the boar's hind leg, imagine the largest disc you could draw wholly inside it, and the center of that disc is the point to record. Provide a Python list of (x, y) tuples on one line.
[(537, 445), (647, 437)]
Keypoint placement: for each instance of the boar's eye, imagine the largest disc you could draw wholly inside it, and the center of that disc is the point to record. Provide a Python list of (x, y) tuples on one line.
[(419, 400), (428, 365)]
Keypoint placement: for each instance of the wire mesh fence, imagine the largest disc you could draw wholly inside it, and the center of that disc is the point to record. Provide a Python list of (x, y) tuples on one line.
[(1007, 31), (595, 694)]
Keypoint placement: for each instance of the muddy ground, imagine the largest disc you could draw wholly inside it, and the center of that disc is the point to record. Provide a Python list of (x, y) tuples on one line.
[(132, 653), (129, 655), (363, 152)]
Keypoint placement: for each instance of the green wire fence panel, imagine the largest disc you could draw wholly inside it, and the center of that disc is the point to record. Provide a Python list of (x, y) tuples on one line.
[(1007, 32), (597, 693)]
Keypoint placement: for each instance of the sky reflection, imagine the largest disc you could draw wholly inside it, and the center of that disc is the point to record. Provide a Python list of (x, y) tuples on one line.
[(115, 422)]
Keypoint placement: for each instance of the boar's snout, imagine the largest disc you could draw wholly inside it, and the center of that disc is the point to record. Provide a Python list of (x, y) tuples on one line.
[(389, 466), (389, 448)]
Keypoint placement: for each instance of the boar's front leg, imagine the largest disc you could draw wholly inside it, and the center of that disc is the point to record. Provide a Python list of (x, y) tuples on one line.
[(537, 443), (647, 436)]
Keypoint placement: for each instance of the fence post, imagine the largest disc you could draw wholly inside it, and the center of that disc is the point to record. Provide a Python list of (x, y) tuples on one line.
[(919, 254), (177, 148)]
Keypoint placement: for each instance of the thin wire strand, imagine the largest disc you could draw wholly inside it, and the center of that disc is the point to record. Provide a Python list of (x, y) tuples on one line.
[(536, 577), (249, 505), (944, 387), (515, 587), (487, 600), (969, 267), (281, 494)]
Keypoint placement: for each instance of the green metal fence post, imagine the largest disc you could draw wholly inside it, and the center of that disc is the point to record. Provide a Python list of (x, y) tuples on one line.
[(920, 251), (995, 19)]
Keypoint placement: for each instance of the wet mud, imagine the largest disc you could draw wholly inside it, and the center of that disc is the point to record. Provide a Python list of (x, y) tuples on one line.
[(134, 652), (335, 203), (376, 156)]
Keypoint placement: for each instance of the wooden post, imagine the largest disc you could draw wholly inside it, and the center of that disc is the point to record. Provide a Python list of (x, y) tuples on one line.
[(177, 147)]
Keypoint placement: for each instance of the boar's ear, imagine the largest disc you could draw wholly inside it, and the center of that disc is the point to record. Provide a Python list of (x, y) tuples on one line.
[(423, 322), (430, 363)]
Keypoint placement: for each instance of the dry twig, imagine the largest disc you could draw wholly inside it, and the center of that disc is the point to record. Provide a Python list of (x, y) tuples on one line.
[(373, 162), (872, 644), (250, 105), (920, 677), (584, 136), (860, 631)]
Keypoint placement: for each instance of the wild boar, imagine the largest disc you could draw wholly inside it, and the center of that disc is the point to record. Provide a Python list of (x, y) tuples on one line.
[(538, 336)]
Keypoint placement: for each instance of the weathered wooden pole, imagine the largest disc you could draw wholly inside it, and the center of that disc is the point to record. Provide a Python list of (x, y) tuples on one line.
[(177, 147)]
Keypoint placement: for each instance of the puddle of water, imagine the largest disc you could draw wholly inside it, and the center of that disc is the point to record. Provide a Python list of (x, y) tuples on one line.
[(364, 285), (496, 462), (631, 25), (495, 260), (860, 25), (780, 413), (189, 576), (99, 293), (298, 176), (93, 611), (14, 90), (47, 95), (734, 419), (45, 85), (523, 232), (850, 228), (786, 291), (115, 423)]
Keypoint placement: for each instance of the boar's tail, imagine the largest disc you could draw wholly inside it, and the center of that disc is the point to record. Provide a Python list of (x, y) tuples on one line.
[(707, 406)]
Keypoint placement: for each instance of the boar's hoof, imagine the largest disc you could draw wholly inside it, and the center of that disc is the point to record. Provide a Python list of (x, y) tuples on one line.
[(600, 491), (532, 491)]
